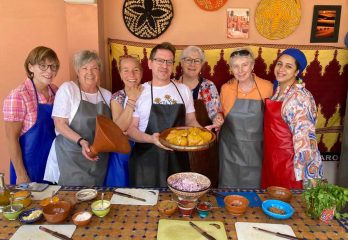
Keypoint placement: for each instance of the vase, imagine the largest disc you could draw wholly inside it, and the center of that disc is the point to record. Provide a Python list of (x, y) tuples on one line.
[(327, 215)]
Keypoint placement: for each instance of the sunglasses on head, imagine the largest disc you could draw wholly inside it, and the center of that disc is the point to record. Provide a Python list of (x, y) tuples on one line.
[(242, 52)]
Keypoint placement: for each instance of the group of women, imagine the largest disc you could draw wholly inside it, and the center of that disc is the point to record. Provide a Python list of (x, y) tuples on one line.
[(265, 137)]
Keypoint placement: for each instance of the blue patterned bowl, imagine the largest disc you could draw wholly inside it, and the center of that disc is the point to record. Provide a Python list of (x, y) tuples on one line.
[(30, 216), (280, 206)]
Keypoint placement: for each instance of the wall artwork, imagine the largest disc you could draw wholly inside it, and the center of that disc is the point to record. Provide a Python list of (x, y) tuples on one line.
[(238, 23), (326, 23)]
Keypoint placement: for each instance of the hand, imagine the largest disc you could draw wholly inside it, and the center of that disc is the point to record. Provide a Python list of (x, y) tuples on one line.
[(155, 140), (23, 178), (134, 92), (86, 149), (218, 120)]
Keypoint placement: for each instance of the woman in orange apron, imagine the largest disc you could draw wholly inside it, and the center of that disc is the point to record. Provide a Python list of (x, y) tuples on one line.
[(291, 156)]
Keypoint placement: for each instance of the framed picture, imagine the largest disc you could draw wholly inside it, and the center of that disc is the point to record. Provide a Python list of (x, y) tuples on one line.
[(326, 23), (237, 23)]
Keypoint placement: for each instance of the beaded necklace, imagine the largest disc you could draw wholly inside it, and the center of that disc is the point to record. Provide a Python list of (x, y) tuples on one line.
[(280, 97)]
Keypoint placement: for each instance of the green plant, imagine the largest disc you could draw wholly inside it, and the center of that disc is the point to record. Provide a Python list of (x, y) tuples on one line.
[(325, 196)]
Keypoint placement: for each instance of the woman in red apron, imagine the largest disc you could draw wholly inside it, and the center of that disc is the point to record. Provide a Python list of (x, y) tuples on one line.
[(291, 156), (27, 115)]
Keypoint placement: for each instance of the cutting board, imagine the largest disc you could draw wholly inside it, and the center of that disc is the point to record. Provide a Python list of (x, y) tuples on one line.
[(32, 232), (245, 231), (151, 196), (178, 229), (45, 193)]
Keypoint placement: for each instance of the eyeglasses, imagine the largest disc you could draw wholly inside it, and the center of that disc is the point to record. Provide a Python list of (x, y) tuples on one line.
[(241, 52), (161, 61), (44, 67), (195, 61)]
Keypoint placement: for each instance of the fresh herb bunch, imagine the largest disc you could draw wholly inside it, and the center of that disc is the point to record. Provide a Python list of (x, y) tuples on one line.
[(325, 196)]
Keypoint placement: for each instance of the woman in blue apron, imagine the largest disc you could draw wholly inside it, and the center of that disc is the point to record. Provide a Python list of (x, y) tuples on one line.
[(27, 115), (122, 107)]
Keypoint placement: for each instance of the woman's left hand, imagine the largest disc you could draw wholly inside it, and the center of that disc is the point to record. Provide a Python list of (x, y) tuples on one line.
[(86, 150)]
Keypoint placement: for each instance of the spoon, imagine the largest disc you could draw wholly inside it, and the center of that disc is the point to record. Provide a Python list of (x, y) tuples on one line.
[(52, 195), (102, 200), (11, 202)]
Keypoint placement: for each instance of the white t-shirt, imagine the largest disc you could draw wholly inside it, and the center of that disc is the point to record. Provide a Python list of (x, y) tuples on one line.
[(161, 95), (66, 103)]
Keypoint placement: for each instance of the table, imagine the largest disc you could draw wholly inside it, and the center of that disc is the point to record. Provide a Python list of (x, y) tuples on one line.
[(140, 222)]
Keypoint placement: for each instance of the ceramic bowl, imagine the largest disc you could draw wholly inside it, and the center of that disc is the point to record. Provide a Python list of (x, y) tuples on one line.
[(56, 212), (99, 210), (86, 194), (12, 214), (279, 193), (167, 207), (203, 209), (22, 197), (236, 204), (30, 216), (82, 218), (286, 208), (188, 185)]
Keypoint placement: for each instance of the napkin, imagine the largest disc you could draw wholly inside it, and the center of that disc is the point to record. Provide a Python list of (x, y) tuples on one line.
[(29, 232), (46, 193), (254, 199), (245, 231), (151, 196)]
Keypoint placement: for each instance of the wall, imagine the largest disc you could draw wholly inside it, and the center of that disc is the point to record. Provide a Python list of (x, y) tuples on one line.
[(27, 24)]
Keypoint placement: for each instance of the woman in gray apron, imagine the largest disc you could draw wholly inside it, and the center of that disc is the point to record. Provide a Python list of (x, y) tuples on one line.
[(77, 131), (241, 135)]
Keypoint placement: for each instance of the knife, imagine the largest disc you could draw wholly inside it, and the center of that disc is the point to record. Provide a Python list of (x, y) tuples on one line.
[(201, 231), (278, 234), (54, 233), (129, 196)]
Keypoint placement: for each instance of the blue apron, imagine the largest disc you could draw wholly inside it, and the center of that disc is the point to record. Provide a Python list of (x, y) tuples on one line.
[(36, 143), (117, 174)]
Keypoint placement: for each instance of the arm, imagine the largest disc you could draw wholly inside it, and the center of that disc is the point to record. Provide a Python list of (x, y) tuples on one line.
[(13, 130), (191, 120), (62, 126)]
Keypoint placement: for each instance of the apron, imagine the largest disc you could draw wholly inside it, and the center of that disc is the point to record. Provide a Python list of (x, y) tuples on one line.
[(278, 160), (36, 143), (205, 162), (149, 165), (75, 169), (241, 145)]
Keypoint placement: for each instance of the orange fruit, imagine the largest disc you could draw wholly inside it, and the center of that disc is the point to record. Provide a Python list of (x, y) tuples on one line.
[(46, 201)]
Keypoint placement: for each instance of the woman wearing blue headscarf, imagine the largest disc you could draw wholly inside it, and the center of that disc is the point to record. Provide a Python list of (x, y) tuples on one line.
[(291, 156)]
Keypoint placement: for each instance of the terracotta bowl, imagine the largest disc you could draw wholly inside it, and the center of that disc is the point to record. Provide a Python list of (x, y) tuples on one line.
[(236, 204), (56, 212), (167, 207), (279, 193), (188, 185), (82, 218)]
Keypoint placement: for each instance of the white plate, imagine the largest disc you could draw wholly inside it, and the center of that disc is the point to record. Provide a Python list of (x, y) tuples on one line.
[(86, 194)]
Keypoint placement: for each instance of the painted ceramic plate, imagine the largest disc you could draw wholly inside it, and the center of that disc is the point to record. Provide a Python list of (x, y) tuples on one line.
[(86, 194)]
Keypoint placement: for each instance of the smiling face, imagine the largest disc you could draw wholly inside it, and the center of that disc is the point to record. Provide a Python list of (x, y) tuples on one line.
[(161, 71), (286, 70), (88, 75), (242, 67), (130, 72), (43, 77), (191, 65)]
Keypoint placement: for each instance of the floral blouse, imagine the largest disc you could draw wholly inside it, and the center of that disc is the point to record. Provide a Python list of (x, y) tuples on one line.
[(120, 97), (300, 114)]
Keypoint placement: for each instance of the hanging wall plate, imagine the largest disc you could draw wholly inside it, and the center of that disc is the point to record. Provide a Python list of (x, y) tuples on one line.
[(147, 19), (210, 5), (277, 19)]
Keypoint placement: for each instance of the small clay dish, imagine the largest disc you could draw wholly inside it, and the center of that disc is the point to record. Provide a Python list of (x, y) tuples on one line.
[(279, 193), (167, 207), (236, 204), (82, 218), (56, 212)]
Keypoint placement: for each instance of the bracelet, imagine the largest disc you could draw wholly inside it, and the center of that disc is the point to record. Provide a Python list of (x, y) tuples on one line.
[(79, 141), (130, 104), (131, 100)]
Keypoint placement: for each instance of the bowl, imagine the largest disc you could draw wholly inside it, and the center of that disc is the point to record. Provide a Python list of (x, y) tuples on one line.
[(188, 185), (86, 194), (186, 207), (203, 209), (22, 197), (99, 209), (236, 204), (82, 218), (44, 202), (167, 207), (30, 216), (56, 212), (279, 193), (288, 211), (12, 214)]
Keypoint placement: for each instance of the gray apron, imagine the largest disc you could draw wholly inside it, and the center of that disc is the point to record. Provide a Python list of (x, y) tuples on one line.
[(149, 165), (75, 169), (241, 145)]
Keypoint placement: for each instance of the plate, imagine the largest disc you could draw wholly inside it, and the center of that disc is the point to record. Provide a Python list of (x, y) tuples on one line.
[(164, 134), (27, 213), (86, 194), (289, 211)]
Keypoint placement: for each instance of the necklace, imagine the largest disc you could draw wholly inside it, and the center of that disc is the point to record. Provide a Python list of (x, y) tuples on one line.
[(281, 96), (246, 90)]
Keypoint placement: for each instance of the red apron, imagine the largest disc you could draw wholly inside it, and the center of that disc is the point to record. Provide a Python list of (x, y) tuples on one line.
[(278, 154)]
